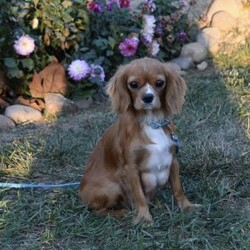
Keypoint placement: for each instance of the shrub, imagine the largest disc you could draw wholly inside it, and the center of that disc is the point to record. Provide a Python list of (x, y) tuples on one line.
[(102, 34)]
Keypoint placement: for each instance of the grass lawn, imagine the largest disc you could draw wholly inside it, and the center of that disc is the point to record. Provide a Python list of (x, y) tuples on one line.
[(214, 158)]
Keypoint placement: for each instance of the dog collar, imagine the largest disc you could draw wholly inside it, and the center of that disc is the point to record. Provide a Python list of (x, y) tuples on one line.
[(158, 124), (163, 123)]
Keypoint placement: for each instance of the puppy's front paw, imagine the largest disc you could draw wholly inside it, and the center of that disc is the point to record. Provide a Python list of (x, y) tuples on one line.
[(144, 217), (185, 205)]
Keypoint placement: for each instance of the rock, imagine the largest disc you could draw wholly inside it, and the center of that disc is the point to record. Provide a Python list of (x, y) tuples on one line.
[(198, 8), (31, 102), (202, 66), (56, 104), (3, 104), (233, 7), (223, 21), (6, 123), (196, 50), (22, 114), (211, 38), (52, 79), (183, 62), (83, 103)]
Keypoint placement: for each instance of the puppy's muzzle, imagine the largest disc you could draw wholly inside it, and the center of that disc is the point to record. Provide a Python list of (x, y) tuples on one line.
[(148, 98)]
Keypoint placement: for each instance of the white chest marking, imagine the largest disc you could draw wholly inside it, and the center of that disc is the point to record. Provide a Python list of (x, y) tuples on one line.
[(157, 169)]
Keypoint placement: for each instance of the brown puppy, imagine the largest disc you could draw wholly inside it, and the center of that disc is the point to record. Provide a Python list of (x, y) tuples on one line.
[(136, 155)]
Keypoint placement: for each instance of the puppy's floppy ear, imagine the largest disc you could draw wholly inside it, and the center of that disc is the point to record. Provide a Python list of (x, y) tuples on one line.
[(118, 91), (175, 90)]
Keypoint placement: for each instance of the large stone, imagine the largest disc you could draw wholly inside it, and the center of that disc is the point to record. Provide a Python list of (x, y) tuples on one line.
[(184, 62), (3, 104), (197, 51), (23, 114), (6, 123), (223, 21), (56, 104), (52, 79), (198, 9), (233, 7), (211, 38)]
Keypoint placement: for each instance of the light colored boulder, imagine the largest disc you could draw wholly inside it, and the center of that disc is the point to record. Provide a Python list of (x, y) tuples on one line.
[(56, 104), (197, 51), (183, 62), (233, 7), (198, 9), (223, 21), (211, 38), (23, 114), (6, 123)]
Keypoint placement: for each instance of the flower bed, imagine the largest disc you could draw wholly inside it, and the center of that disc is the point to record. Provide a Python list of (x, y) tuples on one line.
[(89, 38)]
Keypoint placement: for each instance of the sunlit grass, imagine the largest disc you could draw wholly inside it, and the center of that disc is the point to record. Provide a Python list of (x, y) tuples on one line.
[(235, 70)]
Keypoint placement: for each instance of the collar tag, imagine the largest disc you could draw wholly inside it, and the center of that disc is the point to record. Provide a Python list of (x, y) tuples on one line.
[(175, 139)]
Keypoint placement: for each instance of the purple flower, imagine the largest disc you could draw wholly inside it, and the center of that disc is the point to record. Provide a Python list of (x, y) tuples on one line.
[(182, 36), (129, 46), (111, 3), (97, 71), (24, 46), (93, 6), (149, 6), (159, 29), (79, 70)]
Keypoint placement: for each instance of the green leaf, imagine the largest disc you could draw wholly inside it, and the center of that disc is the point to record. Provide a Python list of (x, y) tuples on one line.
[(27, 63), (111, 42), (101, 43), (109, 53), (15, 73), (10, 62)]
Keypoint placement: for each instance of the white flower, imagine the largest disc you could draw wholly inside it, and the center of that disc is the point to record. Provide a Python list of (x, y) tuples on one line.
[(79, 70), (154, 48), (148, 28), (24, 46)]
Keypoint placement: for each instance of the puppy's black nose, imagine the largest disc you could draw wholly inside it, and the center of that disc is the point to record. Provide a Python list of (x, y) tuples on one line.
[(148, 98)]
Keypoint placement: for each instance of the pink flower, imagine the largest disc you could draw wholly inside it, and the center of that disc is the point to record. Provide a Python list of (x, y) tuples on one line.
[(93, 6), (120, 3), (129, 46), (124, 3), (24, 46)]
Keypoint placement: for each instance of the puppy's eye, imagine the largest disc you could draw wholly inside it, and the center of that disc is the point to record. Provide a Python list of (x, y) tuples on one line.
[(133, 85), (159, 83)]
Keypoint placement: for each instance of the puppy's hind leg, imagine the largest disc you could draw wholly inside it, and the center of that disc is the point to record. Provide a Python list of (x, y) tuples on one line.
[(106, 198)]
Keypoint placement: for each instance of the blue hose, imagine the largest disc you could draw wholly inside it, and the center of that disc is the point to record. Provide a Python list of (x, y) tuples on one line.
[(45, 186)]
